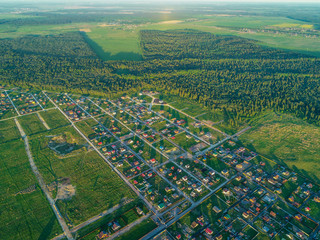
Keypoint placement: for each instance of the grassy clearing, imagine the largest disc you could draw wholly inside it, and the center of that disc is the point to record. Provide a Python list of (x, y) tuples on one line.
[(288, 140), (86, 126), (54, 118), (31, 124), (114, 43), (97, 187), (8, 131), (27, 215)]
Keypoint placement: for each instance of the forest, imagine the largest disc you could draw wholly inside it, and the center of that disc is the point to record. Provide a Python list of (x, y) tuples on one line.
[(228, 73)]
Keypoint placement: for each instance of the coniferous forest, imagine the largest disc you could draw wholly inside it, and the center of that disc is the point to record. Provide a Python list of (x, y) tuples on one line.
[(229, 73)]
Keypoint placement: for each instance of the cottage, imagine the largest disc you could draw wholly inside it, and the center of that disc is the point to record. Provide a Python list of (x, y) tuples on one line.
[(209, 231), (115, 226), (194, 224), (216, 209)]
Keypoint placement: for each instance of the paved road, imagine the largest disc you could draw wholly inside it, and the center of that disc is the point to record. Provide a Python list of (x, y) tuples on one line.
[(42, 184)]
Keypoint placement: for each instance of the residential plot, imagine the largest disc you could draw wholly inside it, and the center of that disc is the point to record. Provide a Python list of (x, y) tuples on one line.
[(202, 221), (87, 105), (189, 143), (186, 183), (207, 176), (6, 108), (24, 102), (157, 190), (43, 100)]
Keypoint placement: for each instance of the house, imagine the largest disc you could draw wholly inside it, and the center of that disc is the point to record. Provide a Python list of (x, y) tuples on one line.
[(220, 237), (298, 217), (194, 224), (273, 214), (115, 226), (209, 231), (245, 215), (216, 209), (103, 234), (161, 205)]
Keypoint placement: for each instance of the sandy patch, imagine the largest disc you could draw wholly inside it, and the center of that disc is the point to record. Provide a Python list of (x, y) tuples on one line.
[(65, 189), (85, 30), (171, 22), (105, 25)]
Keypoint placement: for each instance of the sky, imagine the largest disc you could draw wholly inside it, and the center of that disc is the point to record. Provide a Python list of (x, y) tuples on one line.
[(164, 1)]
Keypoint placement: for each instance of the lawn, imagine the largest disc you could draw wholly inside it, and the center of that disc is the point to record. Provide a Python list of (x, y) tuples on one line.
[(97, 187), (288, 140), (8, 131), (31, 124), (54, 118), (25, 212)]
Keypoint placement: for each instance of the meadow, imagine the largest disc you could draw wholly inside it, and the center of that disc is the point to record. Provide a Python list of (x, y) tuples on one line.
[(8, 131), (54, 118), (25, 211), (97, 187), (286, 139), (31, 124)]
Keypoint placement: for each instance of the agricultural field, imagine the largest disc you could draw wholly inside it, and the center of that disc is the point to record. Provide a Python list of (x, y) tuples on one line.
[(123, 41)]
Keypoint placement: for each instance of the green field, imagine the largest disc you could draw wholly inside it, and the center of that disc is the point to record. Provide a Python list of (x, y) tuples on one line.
[(54, 118), (122, 42), (25, 212), (8, 131), (114, 43), (31, 124), (288, 140), (97, 187)]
